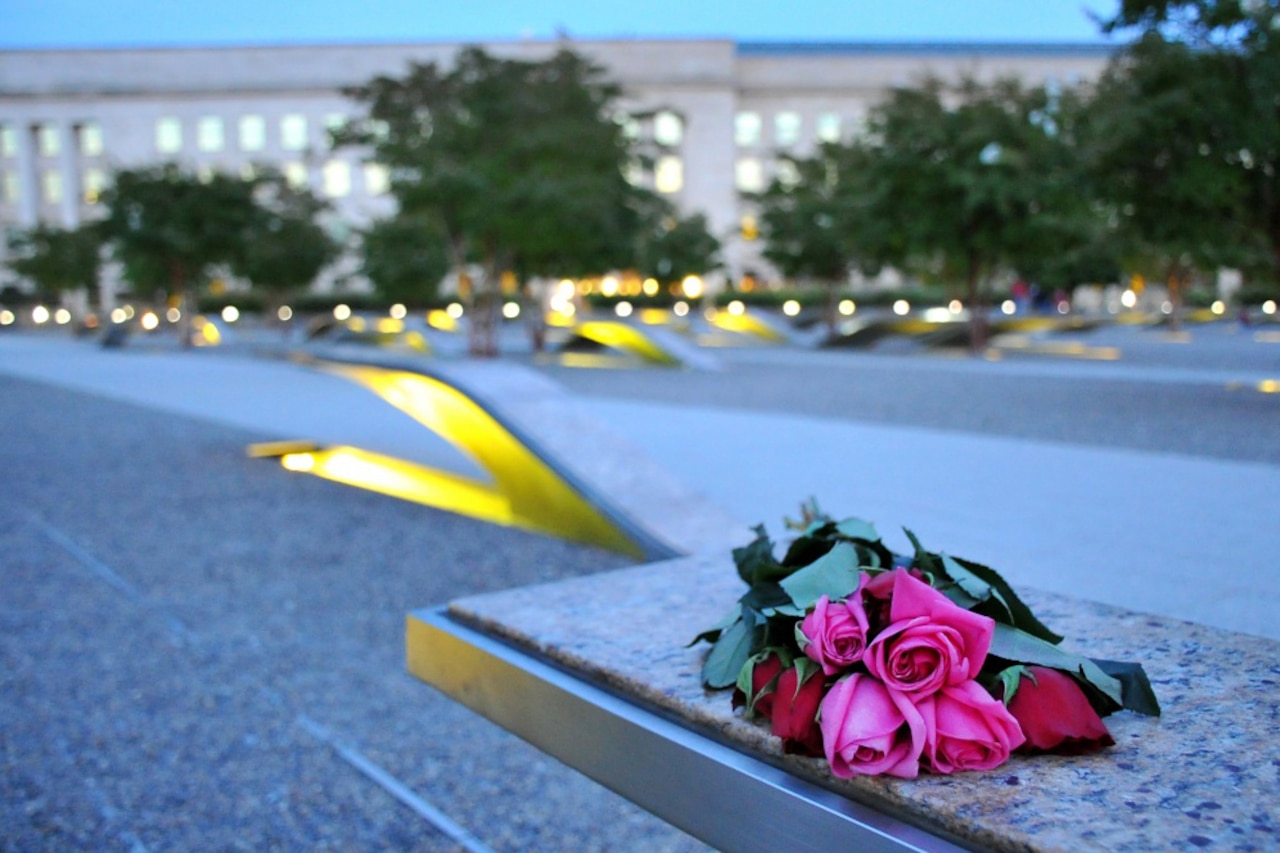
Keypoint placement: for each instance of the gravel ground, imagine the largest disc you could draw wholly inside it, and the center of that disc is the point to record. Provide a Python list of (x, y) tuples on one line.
[(189, 638), (1161, 396)]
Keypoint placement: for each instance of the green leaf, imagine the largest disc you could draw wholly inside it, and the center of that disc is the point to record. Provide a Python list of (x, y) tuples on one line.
[(1021, 614), (834, 575), (973, 585), (1011, 678), (727, 656), (755, 561), (856, 528), (713, 633), (924, 560), (1136, 691), (1016, 646)]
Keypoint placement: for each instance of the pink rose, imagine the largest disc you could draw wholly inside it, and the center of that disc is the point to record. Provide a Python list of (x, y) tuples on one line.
[(834, 634), (967, 729), (930, 641), (795, 713), (868, 729), (1055, 715)]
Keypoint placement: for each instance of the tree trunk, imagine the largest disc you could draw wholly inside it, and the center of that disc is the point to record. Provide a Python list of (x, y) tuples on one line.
[(977, 308), (1176, 278)]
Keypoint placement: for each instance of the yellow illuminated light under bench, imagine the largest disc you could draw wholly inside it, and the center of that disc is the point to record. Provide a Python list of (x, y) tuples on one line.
[(524, 492)]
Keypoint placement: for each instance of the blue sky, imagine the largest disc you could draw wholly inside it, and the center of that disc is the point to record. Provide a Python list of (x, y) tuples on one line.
[(135, 23)]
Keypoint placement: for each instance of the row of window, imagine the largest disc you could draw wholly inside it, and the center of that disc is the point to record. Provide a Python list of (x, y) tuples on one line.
[(788, 127), (212, 134), (47, 139)]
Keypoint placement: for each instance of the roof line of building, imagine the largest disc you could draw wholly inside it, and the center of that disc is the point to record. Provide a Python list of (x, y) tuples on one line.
[(917, 48)]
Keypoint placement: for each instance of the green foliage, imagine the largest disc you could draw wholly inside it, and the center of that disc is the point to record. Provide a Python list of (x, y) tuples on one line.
[(285, 248), (405, 258), (673, 248), (56, 259)]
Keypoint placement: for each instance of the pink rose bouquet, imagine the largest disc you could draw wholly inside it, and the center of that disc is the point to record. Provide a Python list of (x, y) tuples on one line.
[(895, 664)]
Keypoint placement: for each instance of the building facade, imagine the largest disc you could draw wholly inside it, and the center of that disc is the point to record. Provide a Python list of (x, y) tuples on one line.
[(717, 114)]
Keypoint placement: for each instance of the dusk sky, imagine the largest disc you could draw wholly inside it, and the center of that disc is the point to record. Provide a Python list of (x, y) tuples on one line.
[(135, 23)]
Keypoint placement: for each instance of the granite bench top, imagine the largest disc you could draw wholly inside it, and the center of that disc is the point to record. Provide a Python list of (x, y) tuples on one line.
[(1204, 776)]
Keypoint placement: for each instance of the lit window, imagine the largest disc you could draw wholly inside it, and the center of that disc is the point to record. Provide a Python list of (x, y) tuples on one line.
[(668, 129), (786, 128), (746, 128), (630, 127), (377, 180), (750, 228), (51, 182), (169, 135), (293, 132), (337, 178), (633, 173), (205, 173), (10, 188), (335, 121), (253, 133), (8, 141), (749, 175), (91, 140), (248, 172), (828, 127), (48, 140), (94, 181), (209, 135), (295, 173), (668, 174)]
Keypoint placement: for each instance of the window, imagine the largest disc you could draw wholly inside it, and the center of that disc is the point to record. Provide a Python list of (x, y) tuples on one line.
[(749, 175), (169, 135), (787, 173), (295, 173), (94, 181), (750, 228), (209, 136), (668, 174), (630, 127), (786, 128), (48, 141), (668, 129), (746, 128), (293, 132), (51, 185), (828, 127), (377, 180), (633, 172), (253, 133), (10, 188), (8, 141), (337, 178), (91, 140), (248, 172)]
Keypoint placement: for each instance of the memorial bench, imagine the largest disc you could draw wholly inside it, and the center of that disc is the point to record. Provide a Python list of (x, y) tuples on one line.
[(597, 672)]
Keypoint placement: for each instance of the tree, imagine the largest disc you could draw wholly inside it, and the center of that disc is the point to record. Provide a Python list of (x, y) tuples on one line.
[(518, 164), (285, 246), (1224, 55), (404, 258), (675, 247), (818, 223), (56, 259), (170, 229), (975, 179)]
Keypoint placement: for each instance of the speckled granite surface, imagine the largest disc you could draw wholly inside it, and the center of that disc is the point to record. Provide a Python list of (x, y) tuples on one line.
[(1205, 776)]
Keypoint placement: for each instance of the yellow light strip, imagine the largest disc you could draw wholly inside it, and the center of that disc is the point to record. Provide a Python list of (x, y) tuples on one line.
[(745, 324), (525, 492), (626, 338)]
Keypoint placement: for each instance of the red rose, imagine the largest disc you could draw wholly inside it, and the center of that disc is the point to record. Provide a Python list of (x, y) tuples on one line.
[(795, 713), (1055, 715), (764, 672)]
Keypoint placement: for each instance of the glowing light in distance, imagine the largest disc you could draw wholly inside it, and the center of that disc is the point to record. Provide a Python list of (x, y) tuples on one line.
[(1064, 307), (1219, 307), (230, 314), (736, 308), (847, 307), (7, 318), (173, 315), (128, 311), (301, 462), (398, 312), (692, 286), (342, 312), (511, 310), (938, 315), (40, 315), (650, 287), (454, 310), (285, 313), (1269, 307), (622, 309), (791, 308), (680, 309), (609, 286), (118, 315), (150, 321), (62, 316), (1269, 386), (902, 307), (1166, 307), (1128, 299), (1009, 306), (955, 306)]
